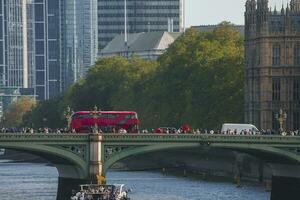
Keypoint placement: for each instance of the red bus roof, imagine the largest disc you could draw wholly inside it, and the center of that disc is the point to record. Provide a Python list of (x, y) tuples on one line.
[(105, 112)]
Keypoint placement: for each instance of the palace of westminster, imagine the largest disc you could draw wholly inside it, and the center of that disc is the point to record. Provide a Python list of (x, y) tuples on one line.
[(272, 50)]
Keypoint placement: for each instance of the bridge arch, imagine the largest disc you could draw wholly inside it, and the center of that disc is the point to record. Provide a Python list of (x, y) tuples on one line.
[(243, 148), (72, 166), (145, 149), (273, 150)]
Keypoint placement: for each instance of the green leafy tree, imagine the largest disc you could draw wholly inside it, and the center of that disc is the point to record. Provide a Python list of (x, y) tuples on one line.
[(13, 115), (199, 80), (49, 113)]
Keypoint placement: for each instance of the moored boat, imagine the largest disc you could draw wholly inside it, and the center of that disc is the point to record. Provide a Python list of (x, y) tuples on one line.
[(101, 192)]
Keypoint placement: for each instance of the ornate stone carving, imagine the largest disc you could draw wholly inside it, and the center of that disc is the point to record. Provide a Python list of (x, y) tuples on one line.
[(79, 150), (110, 151)]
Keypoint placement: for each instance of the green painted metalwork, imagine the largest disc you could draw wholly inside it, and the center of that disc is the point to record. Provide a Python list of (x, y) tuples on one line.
[(118, 147), (75, 148)]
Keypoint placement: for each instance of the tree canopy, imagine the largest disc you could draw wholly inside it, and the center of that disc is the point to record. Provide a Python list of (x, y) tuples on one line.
[(199, 80), (13, 115)]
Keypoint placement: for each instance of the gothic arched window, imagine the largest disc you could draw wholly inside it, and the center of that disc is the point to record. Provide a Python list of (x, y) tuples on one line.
[(297, 54), (276, 55)]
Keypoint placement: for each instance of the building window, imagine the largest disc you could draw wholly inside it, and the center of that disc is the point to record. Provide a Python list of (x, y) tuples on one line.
[(275, 123), (276, 90), (296, 90), (276, 55), (296, 120), (297, 55)]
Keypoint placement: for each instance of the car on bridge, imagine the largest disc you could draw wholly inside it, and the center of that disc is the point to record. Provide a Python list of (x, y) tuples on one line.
[(238, 128)]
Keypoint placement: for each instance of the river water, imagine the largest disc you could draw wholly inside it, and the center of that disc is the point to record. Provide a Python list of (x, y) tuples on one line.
[(39, 182)]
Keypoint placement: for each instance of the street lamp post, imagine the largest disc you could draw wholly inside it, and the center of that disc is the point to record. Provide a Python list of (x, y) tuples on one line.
[(281, 118), (95, 116), (68, 114)]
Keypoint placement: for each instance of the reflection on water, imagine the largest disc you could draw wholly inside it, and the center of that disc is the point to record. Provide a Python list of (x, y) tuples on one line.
[(21, 181)]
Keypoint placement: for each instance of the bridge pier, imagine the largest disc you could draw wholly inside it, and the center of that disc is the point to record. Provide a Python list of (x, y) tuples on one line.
[(285, 182), (96, 173)]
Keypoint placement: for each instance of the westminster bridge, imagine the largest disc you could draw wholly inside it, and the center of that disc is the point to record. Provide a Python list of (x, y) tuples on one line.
[(81, 158)]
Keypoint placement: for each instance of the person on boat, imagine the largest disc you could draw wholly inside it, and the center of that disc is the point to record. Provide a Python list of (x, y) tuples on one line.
[(82, 196)]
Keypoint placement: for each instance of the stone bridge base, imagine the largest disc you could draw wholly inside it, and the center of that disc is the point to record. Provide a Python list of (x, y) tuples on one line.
[(285, 188), (66, 186)]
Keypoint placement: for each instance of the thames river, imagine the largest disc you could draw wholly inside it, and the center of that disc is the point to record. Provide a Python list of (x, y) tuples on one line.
[(39, 182)]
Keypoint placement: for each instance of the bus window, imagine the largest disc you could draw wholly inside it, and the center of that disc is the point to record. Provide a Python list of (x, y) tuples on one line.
[(130, 117), (109, 116)]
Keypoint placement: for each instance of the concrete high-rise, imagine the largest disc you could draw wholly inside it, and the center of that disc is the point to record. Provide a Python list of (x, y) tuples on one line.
[(272, 45), (142, 16)]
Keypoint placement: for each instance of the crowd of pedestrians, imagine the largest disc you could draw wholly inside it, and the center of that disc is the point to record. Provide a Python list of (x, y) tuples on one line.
[(165, 130), (31, 130)]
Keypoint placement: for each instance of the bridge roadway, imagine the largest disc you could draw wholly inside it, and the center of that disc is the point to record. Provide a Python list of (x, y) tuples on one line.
[(83, 158)]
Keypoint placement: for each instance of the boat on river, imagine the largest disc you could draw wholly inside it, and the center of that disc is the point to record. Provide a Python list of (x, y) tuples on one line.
[(101, 192)]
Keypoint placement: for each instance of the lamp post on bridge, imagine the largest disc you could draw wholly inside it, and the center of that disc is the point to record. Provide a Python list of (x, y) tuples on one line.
[(68, 114), (95, 114), (281, 118)]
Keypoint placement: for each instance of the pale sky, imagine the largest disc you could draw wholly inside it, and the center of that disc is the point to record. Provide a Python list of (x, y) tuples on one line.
[(200, 12)]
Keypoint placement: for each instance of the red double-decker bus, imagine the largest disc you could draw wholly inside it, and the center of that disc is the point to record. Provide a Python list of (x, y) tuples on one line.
[(107, 121)]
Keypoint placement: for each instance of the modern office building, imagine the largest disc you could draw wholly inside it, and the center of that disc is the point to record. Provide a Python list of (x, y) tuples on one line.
[(2, 45), (87, 31), (46, 44), (142, 16), (79, 38), (66, 43), (14, 52), (14, 45), (272, 71)]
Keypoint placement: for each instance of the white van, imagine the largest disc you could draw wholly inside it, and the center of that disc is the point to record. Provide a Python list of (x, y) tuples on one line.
[(239, 128)]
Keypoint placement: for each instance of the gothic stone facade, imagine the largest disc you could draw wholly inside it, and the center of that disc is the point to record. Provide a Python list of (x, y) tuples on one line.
[(272, 71)]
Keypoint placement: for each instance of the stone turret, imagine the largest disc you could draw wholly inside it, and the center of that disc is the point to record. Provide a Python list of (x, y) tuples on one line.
[(295, 5), (262, 16), (250, 17)]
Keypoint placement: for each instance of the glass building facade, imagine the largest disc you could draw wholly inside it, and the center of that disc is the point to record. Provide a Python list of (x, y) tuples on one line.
[(142, 16), (79, 37), (2, 44), (47, 48), (14, 44), (46, 44), (87, 34)]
